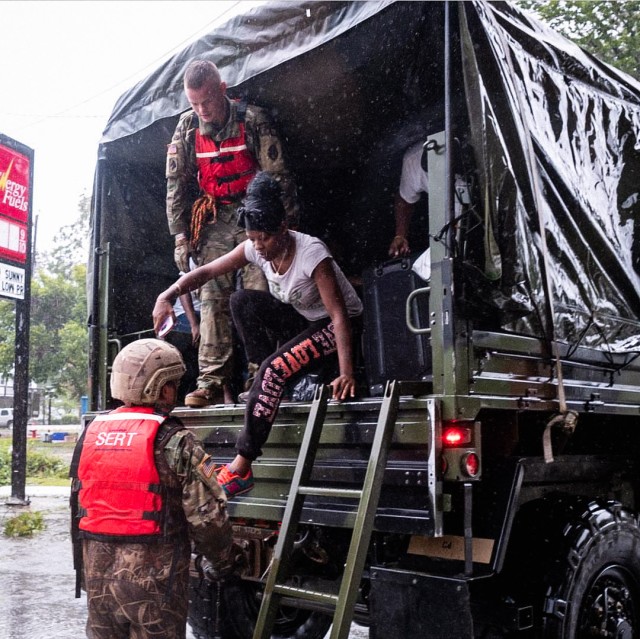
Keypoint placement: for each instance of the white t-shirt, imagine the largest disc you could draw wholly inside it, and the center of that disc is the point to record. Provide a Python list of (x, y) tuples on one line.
[(414, 180), (296, 286), (178, 309)]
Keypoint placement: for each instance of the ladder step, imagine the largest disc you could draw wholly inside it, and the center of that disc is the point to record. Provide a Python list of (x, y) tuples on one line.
[(307, 595), (350, 493)]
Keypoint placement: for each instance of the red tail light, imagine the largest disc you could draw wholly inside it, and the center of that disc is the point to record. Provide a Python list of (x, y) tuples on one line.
[(460, 450), (470, 464), (456, 436)]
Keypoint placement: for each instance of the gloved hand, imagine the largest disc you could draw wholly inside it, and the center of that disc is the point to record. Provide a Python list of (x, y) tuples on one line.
[(220, 572), (181, 254)]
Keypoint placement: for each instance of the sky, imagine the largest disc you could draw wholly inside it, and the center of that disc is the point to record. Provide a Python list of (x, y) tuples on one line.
[(64, 65)]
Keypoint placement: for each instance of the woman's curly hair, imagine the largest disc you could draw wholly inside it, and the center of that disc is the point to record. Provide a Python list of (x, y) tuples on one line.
[(262, 208)]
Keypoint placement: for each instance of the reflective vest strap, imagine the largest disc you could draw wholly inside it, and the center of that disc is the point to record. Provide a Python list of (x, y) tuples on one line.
[(145, 514), (223, 150), (236, 176), (123, 485), (118, 417), (151, 516), (221, 159)]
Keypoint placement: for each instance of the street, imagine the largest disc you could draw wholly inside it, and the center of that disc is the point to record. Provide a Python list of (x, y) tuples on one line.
[(38, 581), (37, 589)]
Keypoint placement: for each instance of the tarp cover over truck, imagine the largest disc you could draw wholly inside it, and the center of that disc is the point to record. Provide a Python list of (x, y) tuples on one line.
[(554, 134)]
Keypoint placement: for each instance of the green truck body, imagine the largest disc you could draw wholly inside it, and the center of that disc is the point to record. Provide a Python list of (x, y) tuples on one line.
[(509, 505)]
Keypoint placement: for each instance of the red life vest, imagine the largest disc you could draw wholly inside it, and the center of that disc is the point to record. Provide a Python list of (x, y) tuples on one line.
[(225, 168), (120, 490)]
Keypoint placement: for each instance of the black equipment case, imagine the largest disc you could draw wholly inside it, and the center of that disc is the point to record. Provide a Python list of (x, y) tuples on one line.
[(391, 350)]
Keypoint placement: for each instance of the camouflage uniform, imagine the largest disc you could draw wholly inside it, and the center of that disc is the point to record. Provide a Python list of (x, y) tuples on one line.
[(222, 235), (141, 589)]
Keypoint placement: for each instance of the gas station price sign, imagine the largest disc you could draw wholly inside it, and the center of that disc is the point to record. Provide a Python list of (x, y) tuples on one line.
[(15, 186), (16, 177)]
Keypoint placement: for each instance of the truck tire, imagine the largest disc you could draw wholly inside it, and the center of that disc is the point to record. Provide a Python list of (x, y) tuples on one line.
[(238, 609), (598, 572)]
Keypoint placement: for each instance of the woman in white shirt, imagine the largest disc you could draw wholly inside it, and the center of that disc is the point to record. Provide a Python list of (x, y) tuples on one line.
[(308, 309)]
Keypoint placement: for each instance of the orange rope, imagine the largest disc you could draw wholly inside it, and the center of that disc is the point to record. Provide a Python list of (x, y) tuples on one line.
[(203, 210)]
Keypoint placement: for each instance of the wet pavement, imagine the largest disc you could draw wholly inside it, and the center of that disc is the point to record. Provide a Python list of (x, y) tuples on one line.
[(37, 580)]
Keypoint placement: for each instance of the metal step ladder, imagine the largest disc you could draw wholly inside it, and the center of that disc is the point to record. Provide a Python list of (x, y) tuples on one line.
[(343, 603)]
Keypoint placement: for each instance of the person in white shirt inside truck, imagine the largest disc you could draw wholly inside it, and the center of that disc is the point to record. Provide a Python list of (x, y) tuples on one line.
[(308, 310), (414, 181)]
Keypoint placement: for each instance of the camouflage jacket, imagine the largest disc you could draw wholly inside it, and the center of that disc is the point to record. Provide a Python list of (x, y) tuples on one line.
[(203, 500), (182, 172)]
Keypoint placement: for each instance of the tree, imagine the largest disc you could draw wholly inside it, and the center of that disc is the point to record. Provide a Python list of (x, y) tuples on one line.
[(58, 332), (59, 338), (7, 336), (70, 243), (608, 29)]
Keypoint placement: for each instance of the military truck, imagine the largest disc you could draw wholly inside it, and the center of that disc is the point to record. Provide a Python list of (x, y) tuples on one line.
[(509, 494)]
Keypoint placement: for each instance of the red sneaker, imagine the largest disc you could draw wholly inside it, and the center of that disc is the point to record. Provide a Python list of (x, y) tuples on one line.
[(234, 484)]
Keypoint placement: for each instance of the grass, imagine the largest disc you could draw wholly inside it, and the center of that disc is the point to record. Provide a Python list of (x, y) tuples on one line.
[(47, 463), (24, 524)]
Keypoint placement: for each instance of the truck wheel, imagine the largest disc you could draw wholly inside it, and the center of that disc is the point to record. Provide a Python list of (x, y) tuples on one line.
[(595, 584), (243, 604)]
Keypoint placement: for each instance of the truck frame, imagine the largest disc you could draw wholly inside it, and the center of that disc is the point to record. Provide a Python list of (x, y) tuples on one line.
[(509, 503)]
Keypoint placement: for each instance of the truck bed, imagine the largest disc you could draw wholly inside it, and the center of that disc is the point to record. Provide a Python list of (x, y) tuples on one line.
[(341, 460)]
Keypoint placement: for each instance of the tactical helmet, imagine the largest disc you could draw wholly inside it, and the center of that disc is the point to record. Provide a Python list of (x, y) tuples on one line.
[(142, 368)]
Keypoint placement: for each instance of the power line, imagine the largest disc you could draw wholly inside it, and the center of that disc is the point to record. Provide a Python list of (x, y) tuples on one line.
[(43, 116), (62, 113), (160, 58)]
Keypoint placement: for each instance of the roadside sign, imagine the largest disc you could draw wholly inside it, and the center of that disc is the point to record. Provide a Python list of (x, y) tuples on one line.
[(12, 281), (16, 200), (15, 193)]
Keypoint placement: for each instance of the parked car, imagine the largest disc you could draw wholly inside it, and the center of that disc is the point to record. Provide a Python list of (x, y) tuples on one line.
[(6, 417)]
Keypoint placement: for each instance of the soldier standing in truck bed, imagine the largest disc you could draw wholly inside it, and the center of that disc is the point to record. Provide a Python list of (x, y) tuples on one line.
[(216, 149)]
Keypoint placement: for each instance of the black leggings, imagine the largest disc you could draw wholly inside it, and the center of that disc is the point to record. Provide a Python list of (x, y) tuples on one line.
[(262, 323)]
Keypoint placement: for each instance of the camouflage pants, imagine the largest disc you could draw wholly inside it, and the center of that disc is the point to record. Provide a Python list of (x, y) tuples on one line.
[(136, 591), (215, 355)]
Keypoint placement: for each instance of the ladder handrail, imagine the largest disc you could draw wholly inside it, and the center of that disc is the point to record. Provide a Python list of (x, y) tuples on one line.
[(293, 509), (365, 517)]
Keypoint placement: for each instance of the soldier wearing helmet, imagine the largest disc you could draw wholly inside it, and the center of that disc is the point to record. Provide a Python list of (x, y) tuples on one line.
[(144, 490)]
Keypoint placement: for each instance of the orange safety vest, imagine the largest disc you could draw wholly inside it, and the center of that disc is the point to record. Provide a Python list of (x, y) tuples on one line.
[(120, 491), (225, 168)]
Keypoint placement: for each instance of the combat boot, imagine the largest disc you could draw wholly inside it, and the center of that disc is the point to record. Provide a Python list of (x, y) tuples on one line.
[(252, 370), (202, 397)]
